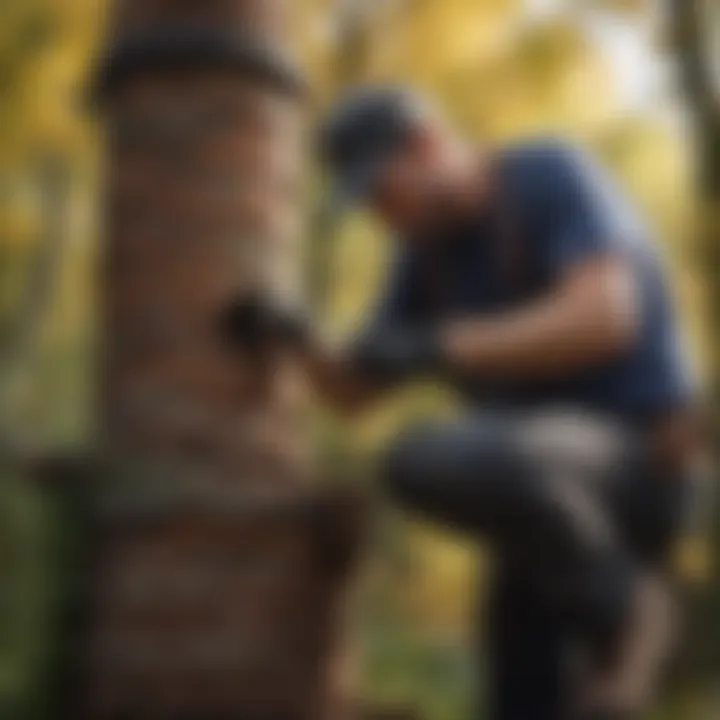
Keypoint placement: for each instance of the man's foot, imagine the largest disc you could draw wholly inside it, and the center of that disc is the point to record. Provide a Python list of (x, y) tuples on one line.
[(624, 674)]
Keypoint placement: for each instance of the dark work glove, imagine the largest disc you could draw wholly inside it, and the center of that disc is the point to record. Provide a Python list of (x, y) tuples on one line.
[(395, 354), (252, 324)]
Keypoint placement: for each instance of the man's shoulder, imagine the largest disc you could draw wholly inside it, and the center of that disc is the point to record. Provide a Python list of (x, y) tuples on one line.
[(573, 183), (542, 159), (559, 173)]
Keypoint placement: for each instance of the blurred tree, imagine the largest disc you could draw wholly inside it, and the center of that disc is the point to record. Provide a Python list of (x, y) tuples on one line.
[(47, 156), (695, 44)]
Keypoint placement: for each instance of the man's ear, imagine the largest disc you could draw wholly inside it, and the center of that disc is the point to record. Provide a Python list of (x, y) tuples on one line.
[(429, 141), (422, 141)]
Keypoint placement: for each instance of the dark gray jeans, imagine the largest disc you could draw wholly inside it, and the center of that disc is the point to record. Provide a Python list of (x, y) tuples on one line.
[(571, 504)]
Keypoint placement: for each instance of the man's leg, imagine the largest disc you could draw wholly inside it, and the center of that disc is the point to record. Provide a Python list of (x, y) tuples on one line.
[(527, 654), (653, 504), (477, 476), (499, 478)]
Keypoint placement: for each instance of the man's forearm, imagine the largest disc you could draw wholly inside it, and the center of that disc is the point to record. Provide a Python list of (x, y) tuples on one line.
[(589, 319), (585, 323), (529, 344)]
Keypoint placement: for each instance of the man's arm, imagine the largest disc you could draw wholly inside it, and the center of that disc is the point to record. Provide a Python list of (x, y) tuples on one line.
[(252, 324), (590, 318), (591, 315), (341, 375)]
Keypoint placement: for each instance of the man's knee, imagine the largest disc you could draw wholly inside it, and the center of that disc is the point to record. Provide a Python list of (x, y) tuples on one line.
[(451, 470)]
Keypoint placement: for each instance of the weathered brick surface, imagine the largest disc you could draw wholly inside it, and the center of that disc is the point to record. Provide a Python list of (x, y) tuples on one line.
[(212, 594), (202, 210), (221, 617)]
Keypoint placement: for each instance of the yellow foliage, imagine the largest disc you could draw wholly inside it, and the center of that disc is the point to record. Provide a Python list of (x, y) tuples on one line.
[(440, 592), (626, 6), (693, 560)]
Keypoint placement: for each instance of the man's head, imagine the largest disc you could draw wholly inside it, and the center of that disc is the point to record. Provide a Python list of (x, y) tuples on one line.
[(388, 148)]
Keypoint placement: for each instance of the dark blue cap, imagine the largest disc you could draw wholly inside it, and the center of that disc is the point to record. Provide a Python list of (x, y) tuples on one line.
[(362, 133)]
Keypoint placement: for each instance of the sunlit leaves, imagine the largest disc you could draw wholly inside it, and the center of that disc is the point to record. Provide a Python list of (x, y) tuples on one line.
[(625, 6)]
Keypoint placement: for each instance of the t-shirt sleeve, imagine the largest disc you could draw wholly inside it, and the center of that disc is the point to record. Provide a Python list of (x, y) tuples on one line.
[(585, 214)]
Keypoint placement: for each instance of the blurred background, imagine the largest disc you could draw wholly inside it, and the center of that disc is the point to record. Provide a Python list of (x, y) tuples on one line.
[(615, 74)]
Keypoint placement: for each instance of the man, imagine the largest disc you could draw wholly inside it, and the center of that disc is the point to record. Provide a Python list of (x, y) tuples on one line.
[(524, 279)]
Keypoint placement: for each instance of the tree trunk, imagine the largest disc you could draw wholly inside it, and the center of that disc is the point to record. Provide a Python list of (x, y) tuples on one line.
[(217, 566), (690, 22), (690, 19)]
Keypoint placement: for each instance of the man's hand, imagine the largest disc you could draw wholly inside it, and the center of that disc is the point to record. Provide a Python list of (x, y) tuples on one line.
[(392, 355), (253, 324)]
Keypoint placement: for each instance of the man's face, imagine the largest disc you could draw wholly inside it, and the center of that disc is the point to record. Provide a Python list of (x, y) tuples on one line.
[(409, 195)]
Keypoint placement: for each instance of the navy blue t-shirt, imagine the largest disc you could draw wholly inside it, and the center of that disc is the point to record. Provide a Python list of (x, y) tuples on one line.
[(556, 208)]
